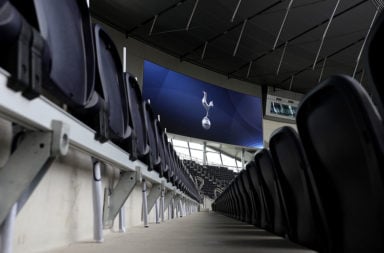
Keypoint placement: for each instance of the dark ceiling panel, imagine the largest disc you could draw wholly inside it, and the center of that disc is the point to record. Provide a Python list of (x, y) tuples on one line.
[(174, 19), (128, 14), (303, 82), (211, 23), (247, 8), (305, 14)]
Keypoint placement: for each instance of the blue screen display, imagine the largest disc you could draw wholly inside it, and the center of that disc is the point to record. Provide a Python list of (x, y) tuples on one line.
[(235, 118)]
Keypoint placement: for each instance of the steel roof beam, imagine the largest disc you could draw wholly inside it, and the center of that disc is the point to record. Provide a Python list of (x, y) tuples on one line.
[(282, 24), (204, 49), (322, 69), (365, 41), (238, 24), (153, 24), (235, 11), (300, 35), (282, 58), (321, 60), (240, 36), (325, 34), (177, 4), (191, 16)]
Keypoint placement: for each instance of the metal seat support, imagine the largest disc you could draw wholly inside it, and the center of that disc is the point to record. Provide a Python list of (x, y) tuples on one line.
[(119, 195), (23, 172)]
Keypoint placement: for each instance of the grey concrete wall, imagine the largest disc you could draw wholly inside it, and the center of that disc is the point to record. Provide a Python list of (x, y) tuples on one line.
[(60, 210), (269, 126)]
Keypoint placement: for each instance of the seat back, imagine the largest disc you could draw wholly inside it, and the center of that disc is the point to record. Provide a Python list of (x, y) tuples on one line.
[(155, 163), (245, 197), (273, 198), (255, 180), (236, 197), (225, 204), (174, 166), (170, 171), (11, 23), (161, 148), (66, 27), (303, 212), (110, 86), (257, 206), (253, 210), (23, 52), (137, 121), (343, 138), (241, 201)]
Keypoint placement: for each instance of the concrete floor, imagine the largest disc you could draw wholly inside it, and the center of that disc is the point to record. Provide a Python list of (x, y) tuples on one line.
[(198, 233)]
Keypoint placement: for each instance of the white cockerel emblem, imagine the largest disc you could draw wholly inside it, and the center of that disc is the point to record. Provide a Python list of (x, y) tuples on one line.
[(206, 123)]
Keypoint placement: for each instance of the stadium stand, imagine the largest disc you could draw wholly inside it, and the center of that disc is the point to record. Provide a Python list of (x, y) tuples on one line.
[(63, 89), (215, 179)]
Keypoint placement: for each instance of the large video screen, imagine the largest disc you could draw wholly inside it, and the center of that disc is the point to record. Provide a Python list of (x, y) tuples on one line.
[(194, 108)]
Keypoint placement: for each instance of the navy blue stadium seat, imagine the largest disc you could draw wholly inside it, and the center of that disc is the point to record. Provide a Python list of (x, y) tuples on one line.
[(24, 52), (245, 197), (175, 166), (303, 212), (254, 177), (272, 193), (65, 63), (241, 201), (155, 161), (254, 194), (66, 28), (170, 171), (164, 159), (237, 205), (343, 137), (139, 139), (110, 89), (233, 201), (253, 206)]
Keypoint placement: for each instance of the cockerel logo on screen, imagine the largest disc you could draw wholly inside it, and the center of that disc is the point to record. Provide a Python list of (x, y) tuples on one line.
[(206, 123)]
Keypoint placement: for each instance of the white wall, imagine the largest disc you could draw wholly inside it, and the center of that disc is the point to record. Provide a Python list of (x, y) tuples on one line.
[(269, 126)]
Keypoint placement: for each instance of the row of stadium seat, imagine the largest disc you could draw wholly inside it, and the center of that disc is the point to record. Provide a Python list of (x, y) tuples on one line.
[(323, 188), (51, 48)]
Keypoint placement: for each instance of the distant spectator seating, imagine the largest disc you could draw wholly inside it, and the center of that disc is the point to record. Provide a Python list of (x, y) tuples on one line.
[(216, 179)]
